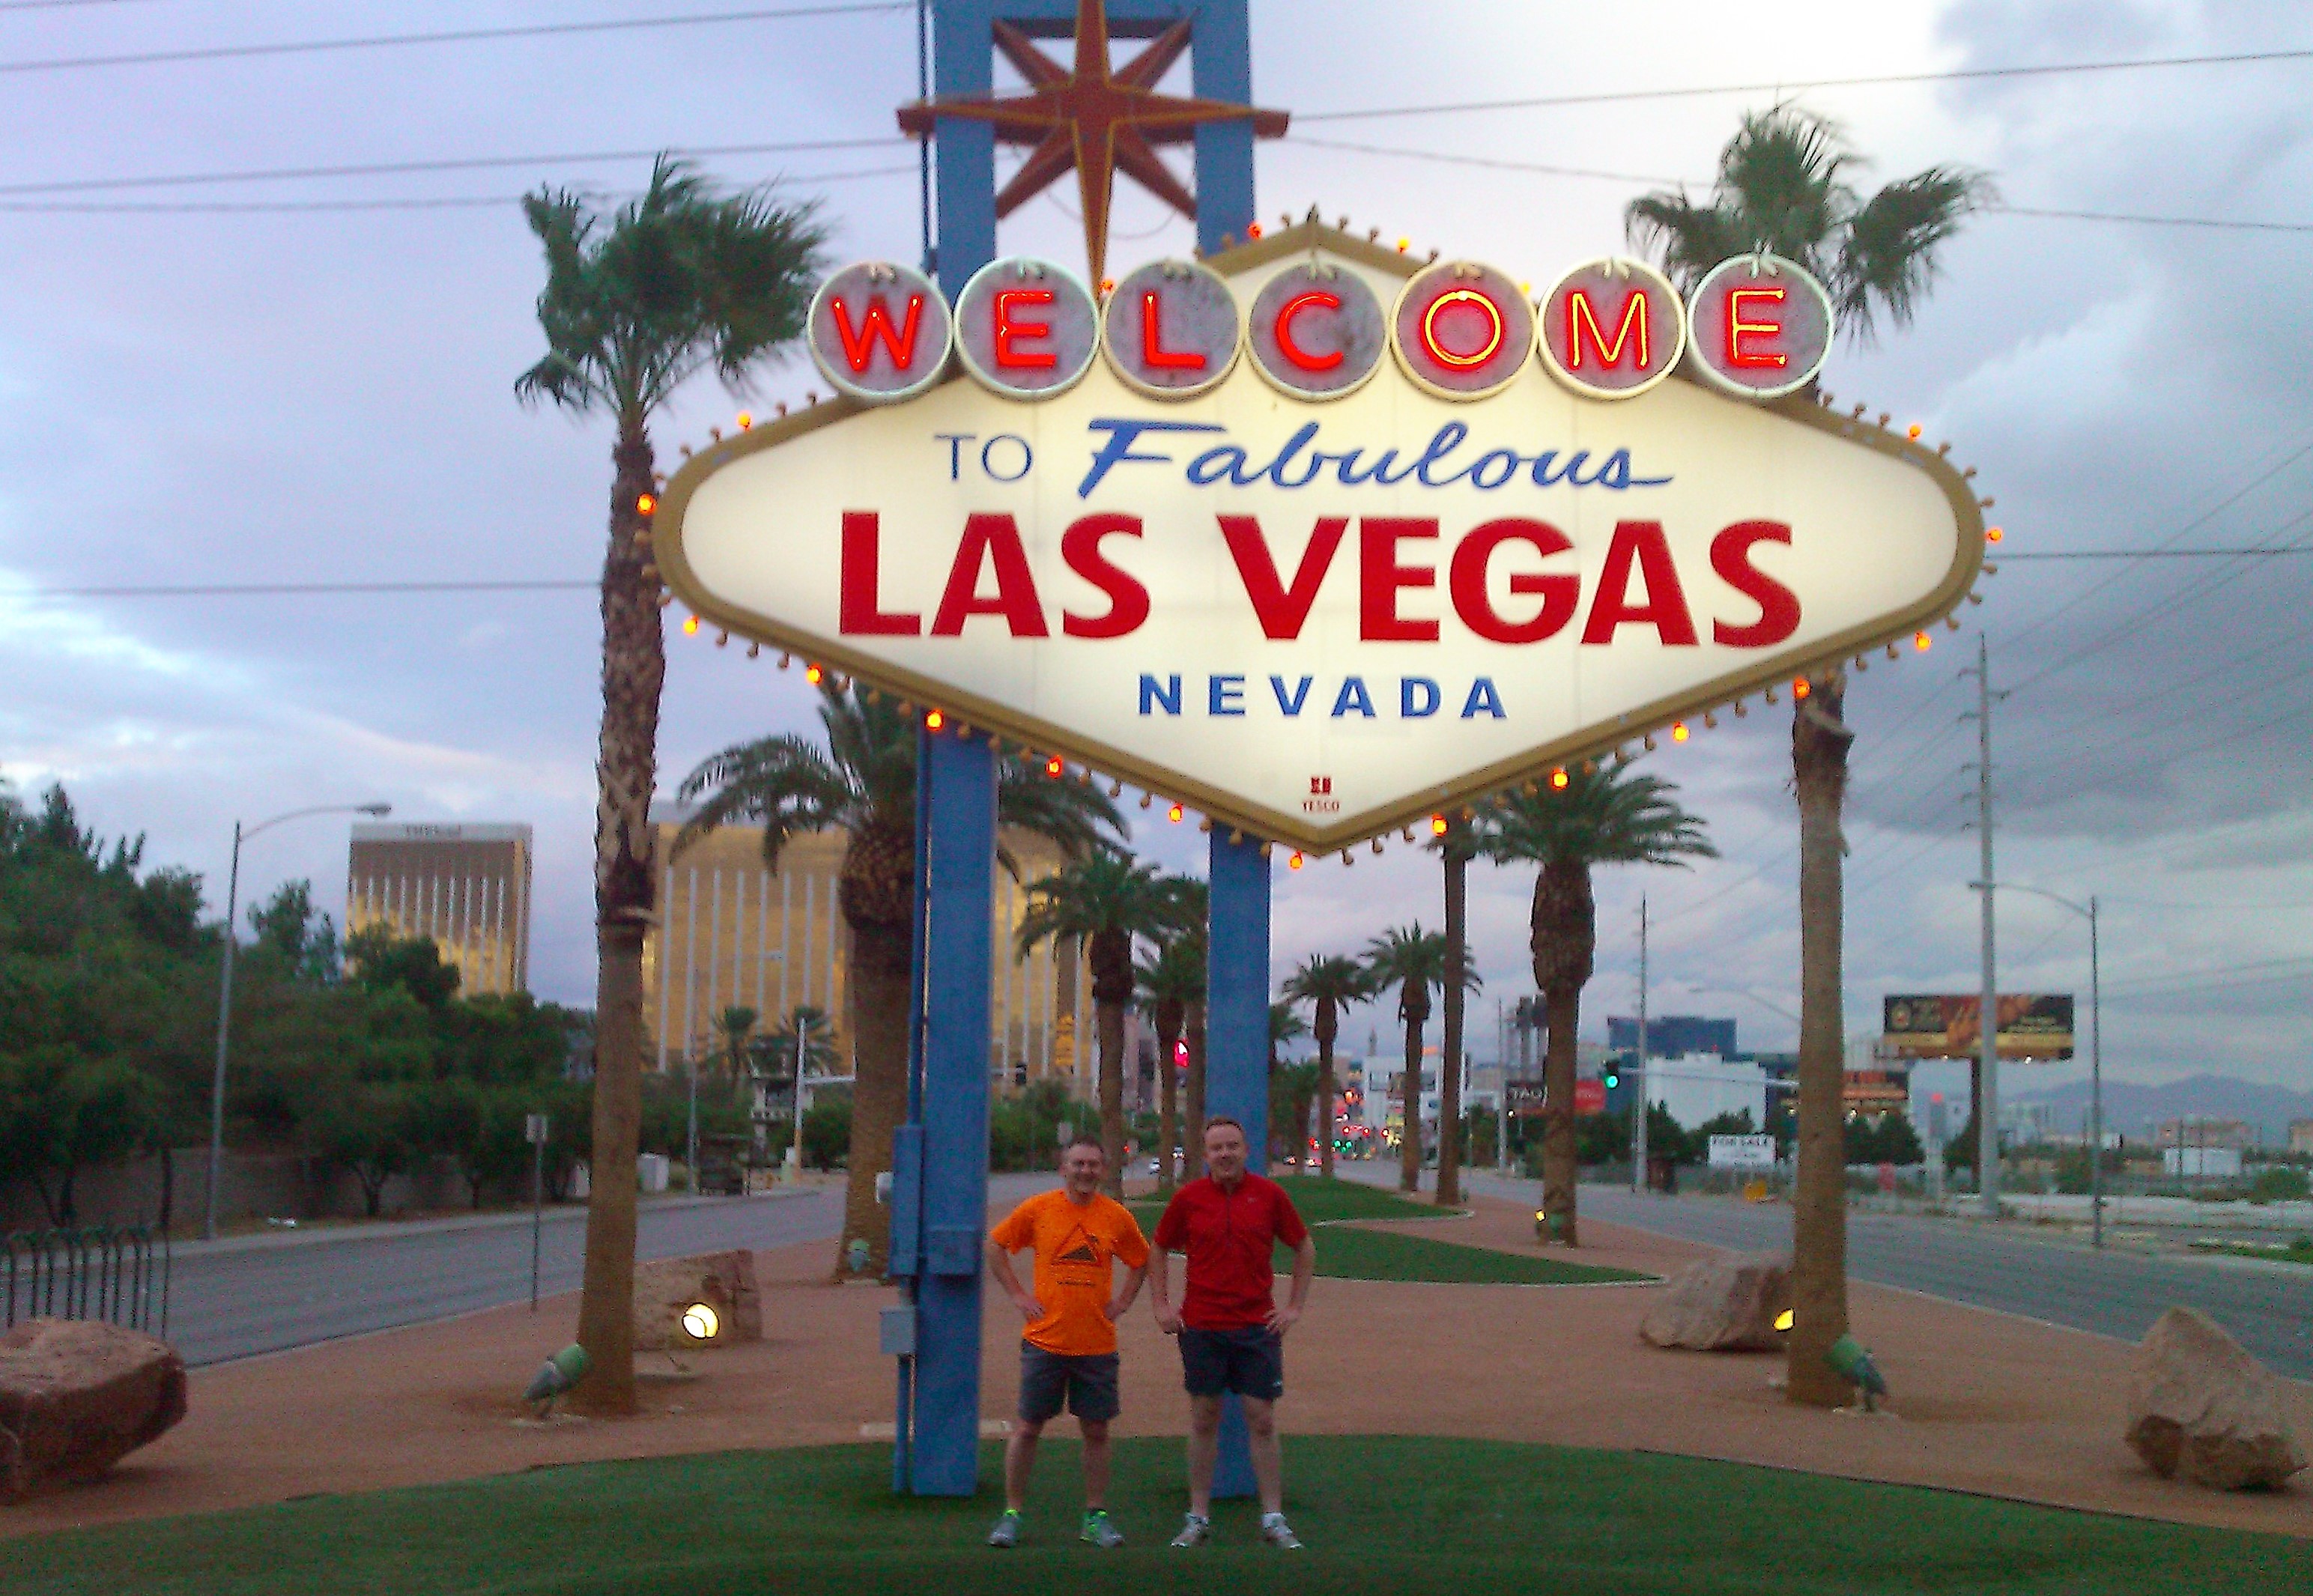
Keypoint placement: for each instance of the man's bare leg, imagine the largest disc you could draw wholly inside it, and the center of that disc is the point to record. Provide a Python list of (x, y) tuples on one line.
[(1019, 1458), (1204, 1446), (1268, 1466), (1096, 1464)]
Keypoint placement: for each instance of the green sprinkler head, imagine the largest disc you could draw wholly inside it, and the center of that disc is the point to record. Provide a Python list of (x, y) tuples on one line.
[(557, 1375), (1853, 1361)]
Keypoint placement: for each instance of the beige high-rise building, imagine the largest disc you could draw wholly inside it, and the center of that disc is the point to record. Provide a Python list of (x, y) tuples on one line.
[(466, 887), (732, 932)]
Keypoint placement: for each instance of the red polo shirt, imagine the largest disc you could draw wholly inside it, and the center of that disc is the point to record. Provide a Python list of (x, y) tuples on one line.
[(1229, 1237)]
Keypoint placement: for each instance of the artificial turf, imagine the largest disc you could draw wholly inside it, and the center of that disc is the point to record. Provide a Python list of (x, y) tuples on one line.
[(1400, 1515)]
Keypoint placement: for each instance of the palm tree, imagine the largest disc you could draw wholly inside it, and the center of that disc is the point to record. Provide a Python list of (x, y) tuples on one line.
[(1104, 900), (1292, 1093), (1328, 983), (1413, 960), (1193, 907), (1782, 186), (736, 1023), (1455, 846), (863, 782), (1170, 982), (1601, 816), (1284, 1025), (636, 302)]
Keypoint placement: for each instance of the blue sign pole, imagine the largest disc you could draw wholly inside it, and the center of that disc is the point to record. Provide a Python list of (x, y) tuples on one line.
[(1236, 1057), (940, 1158)]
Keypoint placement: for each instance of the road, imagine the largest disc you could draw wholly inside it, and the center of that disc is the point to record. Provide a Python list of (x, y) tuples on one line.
[(2268, 1307), (236, 1298)]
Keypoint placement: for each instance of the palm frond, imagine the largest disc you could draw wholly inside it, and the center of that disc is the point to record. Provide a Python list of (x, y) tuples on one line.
[(1602, 816), (783, 784), (1887, 259)]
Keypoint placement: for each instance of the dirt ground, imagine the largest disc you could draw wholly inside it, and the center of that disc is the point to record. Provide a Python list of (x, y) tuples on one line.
[(1983, 1402)]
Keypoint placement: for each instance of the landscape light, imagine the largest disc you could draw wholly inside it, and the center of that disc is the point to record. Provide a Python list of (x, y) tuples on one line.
[(700, 1323), (1783, 1319), (1852, 1362), (559, 1372)]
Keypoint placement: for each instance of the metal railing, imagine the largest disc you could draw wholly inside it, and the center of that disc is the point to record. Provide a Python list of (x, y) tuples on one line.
[(119, 1272)]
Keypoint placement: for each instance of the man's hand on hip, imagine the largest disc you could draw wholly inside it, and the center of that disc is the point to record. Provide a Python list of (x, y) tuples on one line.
[(1030, 1309), (1167, 1321), (1282, 1320)]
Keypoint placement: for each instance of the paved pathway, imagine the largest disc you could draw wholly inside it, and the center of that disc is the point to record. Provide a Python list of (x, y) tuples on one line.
[(2267, 1306), (245, 1295)]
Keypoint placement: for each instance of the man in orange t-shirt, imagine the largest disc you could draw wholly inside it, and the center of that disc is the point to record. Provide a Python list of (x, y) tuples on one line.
[(1068, 1350)]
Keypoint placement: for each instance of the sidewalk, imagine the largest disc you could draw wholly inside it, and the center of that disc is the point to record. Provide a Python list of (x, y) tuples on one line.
[(1983, 1402)]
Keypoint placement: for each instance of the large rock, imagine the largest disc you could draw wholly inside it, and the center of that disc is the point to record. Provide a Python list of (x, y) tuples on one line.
[(723, 1281), (1728, 1303), (2200, 1407), (76, 1396)]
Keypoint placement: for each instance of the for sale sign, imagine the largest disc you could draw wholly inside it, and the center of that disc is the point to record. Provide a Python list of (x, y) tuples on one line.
[(1742, 1152), (1313, 537)]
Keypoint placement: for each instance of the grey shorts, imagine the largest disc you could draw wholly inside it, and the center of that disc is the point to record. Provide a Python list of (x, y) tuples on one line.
[(1249, 1362), (1088, 1384)]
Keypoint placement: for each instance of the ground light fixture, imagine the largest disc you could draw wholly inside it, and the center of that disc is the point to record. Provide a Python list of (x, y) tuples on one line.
[(1853, 1361), (557, 1375), (699, 1323)]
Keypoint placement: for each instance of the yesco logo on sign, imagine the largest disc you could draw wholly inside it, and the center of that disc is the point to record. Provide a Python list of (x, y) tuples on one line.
[(1311, 536)]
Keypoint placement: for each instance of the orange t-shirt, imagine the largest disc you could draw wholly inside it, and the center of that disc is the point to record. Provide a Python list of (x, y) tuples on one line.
[(1074, 1242)]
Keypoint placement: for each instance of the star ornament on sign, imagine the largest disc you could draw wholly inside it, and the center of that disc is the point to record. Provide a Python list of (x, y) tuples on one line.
[(1092, 120)]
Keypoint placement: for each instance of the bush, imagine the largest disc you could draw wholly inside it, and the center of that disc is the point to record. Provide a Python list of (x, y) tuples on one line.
[(827, 1131), (2279, 1183)]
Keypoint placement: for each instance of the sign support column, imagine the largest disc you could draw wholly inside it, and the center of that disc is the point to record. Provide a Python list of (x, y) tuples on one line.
[(1236, 1058)]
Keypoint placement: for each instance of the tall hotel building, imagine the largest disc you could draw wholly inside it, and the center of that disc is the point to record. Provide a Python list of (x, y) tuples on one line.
[(466, 888), (732, 932)]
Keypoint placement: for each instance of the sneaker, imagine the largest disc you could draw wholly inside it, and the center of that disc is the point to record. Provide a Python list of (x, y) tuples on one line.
[(1275, 1531), (1195, 1531), (1008, 1529), (1100, 1531)]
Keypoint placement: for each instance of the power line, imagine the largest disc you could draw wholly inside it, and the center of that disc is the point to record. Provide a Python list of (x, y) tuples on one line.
[(1489, 161), (2213, 222), (109, 207), (233, 589), (399, 167), (1784, 86), (2161, 554), (313, 46)]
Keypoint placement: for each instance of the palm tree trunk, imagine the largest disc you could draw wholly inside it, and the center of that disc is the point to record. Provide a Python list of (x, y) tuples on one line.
[(1193, 1132), (1449, 1055), (634, 671), (1819, 748), (1560, 1170), (1168, 1099), (1408, 1142), (1326, 1027), (1109, 1018), (876, 892)]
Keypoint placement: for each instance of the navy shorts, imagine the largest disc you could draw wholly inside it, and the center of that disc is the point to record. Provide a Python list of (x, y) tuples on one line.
[(1086, 1384), (1250, 1361)]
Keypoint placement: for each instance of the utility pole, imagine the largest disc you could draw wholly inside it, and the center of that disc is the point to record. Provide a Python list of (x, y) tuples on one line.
[(1639, 1113), (1987, 1106)]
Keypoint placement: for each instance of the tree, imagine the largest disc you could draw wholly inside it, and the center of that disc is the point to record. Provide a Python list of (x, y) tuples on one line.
[(1783, 186), (1292, 1092), (379, 960), (1170, 983), (301, 937), (863, 782), (1456, 845), (1103, 901), (1193, 907), (1601, 816), (1414, 962), (1328, 983), (680, 281), (736, 1024)]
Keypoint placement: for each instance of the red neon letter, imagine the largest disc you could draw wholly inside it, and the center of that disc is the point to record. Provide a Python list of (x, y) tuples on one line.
[(1282, 611), (1779, 607), (1737, 330), (1380, 576), (1008, 329), (859, 344), (1641, 543), (1128, 601), (1151, 349), (1580, 314), (1468, 582), (987, 537), (1477, 357), (1294, 352), (855, 609)]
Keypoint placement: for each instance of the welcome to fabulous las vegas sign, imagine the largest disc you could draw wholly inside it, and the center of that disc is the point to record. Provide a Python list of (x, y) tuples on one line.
[(1313, 536)]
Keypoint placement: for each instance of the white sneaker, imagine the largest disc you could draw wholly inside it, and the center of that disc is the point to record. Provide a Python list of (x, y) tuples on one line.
[(1195, 1531), (1275, 1531)]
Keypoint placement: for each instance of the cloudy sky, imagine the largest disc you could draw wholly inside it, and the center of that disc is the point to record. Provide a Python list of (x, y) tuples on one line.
[(311, 380)]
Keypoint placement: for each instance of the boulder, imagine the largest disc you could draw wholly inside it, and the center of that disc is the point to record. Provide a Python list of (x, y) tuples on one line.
[(76, 1396), (2200, 1407), (723, 1281), (1728, 1303)]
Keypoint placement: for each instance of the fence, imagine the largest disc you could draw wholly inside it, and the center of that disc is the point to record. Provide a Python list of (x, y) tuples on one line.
[(119, 1272)]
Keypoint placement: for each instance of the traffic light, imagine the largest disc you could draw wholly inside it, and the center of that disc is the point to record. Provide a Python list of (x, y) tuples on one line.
[(1613, 1081)]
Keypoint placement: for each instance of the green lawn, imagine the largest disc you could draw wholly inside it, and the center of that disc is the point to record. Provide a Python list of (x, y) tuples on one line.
[(1384, 1514), (1344, 1253), (2299, 1250)]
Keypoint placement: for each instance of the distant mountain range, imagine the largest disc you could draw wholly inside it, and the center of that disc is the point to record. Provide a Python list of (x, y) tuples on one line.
[(2129, 1108)]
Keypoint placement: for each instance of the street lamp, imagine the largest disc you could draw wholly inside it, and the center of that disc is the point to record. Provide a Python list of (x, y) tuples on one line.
[(224, 985), (2095, 1055)]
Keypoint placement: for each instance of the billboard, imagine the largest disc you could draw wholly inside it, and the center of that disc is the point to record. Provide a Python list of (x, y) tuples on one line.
[(2032, 1025), (1312, 535)]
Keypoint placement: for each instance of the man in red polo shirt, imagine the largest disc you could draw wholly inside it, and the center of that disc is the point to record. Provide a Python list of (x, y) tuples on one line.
[(1232, 1331)]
